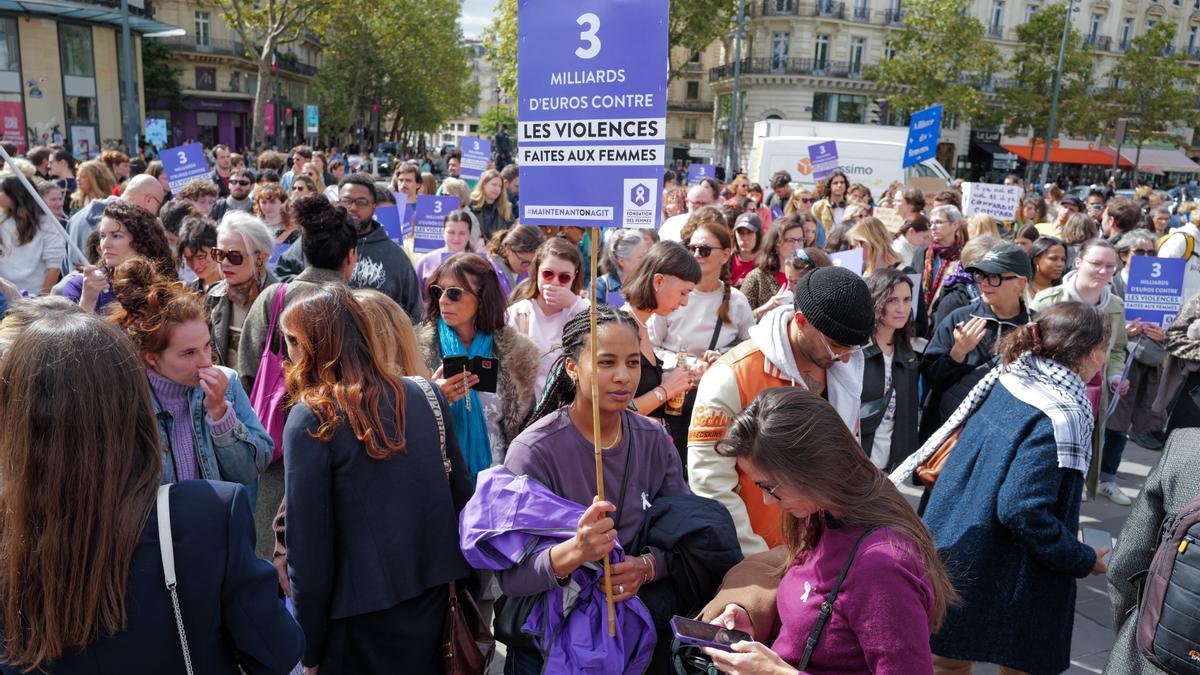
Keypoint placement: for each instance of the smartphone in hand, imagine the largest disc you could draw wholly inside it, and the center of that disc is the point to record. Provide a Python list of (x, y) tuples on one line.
[(700, 634)]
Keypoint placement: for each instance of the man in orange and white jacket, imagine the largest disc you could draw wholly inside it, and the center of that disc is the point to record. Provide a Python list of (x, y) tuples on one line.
[(815, 344)]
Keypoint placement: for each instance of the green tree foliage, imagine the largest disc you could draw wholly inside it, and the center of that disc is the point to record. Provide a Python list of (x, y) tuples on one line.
[(491, 120), (160, 80), (1027, 98), (941, 57), (693, 25), (406, 56), (1155, 89)]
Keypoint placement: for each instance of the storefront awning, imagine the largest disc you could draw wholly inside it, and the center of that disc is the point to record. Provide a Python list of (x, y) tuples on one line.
[(998, 153), (1159, 161), (1060, 155), (62, 9)]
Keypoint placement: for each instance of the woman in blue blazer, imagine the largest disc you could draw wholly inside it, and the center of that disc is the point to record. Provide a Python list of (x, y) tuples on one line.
[(83, 589)]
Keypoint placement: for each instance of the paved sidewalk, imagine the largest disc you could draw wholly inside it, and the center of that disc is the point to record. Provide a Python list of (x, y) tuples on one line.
[(1093, 635)]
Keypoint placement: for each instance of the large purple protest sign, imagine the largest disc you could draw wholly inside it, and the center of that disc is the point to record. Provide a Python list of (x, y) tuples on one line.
[(1154, 290), (698, 172), (184, 164), (430, 216), (824, 158), (592, 113), (476, 153), (391, 219)]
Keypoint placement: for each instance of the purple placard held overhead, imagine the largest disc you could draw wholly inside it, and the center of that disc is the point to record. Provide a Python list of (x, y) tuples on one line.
[(431, 214), (592, 116), (698, 172), (476, 153), (1154, 291), (824, 158), (185, 164)]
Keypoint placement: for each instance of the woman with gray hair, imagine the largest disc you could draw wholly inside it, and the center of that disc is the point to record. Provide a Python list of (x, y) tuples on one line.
[(244, 243), (935, 263), (622, 252)]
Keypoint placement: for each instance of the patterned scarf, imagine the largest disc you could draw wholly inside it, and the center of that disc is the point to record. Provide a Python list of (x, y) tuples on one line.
[(244, 293), (1047, 385), (946, 254)]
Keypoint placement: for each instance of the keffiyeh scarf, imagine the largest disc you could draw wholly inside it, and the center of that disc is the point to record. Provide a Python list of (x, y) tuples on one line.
[(1044, 384)]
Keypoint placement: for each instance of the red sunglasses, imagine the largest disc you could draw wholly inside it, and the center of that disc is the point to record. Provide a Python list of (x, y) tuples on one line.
[(564, 278)]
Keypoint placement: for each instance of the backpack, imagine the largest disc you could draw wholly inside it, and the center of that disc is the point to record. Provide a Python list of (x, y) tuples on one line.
[(1191, 243), (1168, 627)]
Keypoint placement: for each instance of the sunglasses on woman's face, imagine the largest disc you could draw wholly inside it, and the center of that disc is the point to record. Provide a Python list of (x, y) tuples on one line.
[(700, 250), (235, 257), (453, 293), (564, 278)]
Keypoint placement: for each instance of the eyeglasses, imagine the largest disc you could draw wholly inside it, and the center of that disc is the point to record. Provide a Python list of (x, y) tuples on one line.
[(235, 257), (794, 241), (769, 489), (564, 278), (1142, 251), (835, 355), (453, 293), (358, 203), (1096, 207), (992, 280), (700, 250), (243, 183), (195, 257), (1102, 267)]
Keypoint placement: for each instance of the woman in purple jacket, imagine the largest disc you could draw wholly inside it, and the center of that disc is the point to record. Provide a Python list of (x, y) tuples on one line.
[(842, 516)]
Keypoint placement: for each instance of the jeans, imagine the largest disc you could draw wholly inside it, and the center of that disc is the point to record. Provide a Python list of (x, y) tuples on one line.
[(1110, 459)]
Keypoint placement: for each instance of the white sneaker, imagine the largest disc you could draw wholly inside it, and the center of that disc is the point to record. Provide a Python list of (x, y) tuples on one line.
[(1083, 497), (1111, 490)]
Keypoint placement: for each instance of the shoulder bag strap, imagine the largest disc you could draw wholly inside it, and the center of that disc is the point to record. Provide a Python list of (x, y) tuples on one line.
[(276, 310), (436, 406), (827, 606), (712, 344), (166, 548)]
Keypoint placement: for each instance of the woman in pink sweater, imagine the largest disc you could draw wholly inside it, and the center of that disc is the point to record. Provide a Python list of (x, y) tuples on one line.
[(846, 528)]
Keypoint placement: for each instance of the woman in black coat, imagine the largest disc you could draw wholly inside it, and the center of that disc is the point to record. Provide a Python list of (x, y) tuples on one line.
[(82, 589), (372, 511), (888, 415)]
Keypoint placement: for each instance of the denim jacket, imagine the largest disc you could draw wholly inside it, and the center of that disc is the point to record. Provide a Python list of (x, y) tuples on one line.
[(238, 456)]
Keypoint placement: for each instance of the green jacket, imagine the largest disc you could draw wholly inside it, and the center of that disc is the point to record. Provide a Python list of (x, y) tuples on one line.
[(1115, 309)]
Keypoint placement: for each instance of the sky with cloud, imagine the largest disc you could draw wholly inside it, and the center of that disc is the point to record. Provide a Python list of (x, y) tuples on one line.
[(476, 15)]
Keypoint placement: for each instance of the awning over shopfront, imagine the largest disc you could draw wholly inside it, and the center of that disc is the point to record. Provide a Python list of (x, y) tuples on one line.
[(1157, 160), (1059, 155), (62, 9)]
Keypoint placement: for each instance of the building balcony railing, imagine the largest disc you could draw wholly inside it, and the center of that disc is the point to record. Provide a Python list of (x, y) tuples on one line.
[(693, 67), (1123, 45), (1101, 43), (1194, 55), (995, 31), (894, 16), (690, 106), (780, 8), (830, 10), (861, 13), (849, 70)]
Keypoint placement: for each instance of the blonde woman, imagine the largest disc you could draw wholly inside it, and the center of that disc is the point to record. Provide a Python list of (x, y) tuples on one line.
[(93, 180), (489, 204), (394, 331), (981, 224), (871, 235)]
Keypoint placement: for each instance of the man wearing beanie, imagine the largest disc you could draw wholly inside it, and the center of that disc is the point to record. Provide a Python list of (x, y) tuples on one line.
[(960, 350), (815, 344)]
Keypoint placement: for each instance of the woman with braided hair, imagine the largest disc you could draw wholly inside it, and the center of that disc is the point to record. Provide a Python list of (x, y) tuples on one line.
[(639, 463)]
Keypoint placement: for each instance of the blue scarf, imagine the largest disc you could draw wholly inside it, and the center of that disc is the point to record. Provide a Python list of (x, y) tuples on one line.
[(469, 423)]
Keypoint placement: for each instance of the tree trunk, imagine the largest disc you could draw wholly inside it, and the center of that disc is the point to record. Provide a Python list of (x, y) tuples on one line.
[(1029, 164), (1137, 158), (262, 92)]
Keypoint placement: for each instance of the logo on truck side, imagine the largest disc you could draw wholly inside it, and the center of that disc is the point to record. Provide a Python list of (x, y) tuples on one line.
[(804, 168)]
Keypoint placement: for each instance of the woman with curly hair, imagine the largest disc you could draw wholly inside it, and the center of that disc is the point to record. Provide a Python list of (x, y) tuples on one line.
[(125, 230), (272, 205)]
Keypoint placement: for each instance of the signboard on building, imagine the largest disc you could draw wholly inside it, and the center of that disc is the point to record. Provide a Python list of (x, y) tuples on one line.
[(592, 117), (1155, 289), (312, 120), (269, 119), (923, 131), (156, 131), (12, 124), (184, 164)]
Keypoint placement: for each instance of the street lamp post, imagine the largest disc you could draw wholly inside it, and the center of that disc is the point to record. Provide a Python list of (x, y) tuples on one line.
[(1062, 55), (129, 111), (734, 141)]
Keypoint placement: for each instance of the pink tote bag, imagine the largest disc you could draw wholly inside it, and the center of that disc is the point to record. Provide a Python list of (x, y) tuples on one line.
[(267, 396)]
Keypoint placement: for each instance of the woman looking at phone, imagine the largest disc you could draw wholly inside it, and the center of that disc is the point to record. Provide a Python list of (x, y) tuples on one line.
[(464, 317)]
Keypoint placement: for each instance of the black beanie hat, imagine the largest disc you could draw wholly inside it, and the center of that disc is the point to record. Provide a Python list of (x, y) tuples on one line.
[(837, 302)]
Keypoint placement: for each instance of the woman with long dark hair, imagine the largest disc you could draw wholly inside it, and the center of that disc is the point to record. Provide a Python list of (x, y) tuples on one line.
[(1049, 258), (891, 369), (31, 243), (361, 450), (80, 478), (766, 286), (840, 514)]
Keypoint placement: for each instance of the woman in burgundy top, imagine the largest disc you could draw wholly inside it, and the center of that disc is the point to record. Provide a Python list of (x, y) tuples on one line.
[(838, 508)]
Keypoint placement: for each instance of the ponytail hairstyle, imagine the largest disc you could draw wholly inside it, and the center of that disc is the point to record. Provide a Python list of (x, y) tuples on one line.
[(726, 238), (150, 305), (560, 390), (1067, 333), (519, 239)]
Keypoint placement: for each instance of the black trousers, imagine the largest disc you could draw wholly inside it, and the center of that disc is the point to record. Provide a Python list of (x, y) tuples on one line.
[(409, 633)]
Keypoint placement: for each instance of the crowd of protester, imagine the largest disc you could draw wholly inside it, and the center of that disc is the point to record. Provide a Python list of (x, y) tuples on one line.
[(345, 442)]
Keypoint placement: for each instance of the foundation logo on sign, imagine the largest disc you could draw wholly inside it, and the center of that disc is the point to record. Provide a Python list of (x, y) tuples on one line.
[(641, 203)]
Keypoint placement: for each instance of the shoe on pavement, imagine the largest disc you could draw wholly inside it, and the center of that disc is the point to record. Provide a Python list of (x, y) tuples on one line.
[(1147, 441), (1084, 497), (1111, 490)]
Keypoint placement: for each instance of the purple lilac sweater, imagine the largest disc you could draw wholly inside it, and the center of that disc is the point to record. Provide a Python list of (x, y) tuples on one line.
[(173, 397)]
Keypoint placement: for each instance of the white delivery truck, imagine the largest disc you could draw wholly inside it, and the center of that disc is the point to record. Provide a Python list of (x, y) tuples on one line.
[(868, 154)]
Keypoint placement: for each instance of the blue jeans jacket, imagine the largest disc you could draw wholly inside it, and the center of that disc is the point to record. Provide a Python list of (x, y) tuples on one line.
[(236, 457)]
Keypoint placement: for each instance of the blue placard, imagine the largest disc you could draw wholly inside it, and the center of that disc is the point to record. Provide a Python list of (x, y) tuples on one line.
[(476, 153), (698, 172), (593, 111), (824, 158), (1155, 289), (923, 131), (185, 164), (390, 216), (280, 249), (430, 216)]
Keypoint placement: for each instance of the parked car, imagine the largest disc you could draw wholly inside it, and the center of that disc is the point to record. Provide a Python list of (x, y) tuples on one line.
[(385, 158)]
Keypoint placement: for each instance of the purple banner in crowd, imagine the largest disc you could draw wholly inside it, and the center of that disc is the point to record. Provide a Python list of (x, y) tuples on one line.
[(184, 164), (698, 172), (430, 215), (476, 153), (592, 116), (824, 158)]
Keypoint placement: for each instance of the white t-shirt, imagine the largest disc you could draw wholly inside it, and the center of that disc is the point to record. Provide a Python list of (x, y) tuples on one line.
[(527, 318), (1176, 247), (691, 327), (25, 266), (672, 228), (881, 444)]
